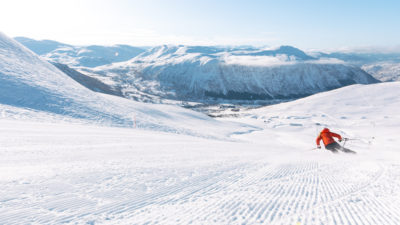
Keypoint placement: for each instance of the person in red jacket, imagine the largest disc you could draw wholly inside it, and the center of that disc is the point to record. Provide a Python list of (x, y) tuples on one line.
[(327, 138)]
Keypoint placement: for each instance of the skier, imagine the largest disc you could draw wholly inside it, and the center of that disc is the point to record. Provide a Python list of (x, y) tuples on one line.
[(330, 143)]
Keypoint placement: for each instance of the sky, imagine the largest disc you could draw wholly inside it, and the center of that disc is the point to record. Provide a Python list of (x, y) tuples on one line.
[(306, 24)]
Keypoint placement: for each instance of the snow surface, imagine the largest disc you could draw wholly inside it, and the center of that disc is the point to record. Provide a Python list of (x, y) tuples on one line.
[(71, 173), (64, 163)]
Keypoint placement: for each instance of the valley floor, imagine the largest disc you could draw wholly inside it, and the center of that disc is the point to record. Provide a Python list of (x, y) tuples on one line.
[(52, 173)]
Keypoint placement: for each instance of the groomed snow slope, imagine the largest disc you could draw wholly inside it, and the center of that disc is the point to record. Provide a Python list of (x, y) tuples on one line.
[(53, 173), (28, 82)]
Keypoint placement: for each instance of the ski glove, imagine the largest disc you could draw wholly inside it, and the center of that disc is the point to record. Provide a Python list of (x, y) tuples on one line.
[(340, 140)]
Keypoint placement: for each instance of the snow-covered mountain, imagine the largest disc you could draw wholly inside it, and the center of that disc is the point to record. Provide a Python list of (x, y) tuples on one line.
[(86, 56), (384, 71), (194, 73), (29, 83), (207, 74), (41, 47), (360, 57), (88, 81), (384, 66), (282, 50)]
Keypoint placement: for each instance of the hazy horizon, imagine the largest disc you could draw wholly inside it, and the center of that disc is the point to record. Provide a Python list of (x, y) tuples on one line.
[(311, 24)]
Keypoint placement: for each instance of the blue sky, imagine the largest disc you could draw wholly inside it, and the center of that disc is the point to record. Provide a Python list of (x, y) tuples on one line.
[(307, 24)]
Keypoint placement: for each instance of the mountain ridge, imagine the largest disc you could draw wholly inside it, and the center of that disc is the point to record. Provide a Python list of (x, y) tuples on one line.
[(86, 56), (217, 74), (190, 73)]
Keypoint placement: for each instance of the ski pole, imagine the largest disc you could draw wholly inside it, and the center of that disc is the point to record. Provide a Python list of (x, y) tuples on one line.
[(351, 139), (345, 139)]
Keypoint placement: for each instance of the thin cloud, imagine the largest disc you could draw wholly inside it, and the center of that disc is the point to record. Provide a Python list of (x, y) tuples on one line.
[(258, 60), (360, 49)]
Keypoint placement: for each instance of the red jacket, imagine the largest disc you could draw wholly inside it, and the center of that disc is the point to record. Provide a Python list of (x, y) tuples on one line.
[(327, 137)]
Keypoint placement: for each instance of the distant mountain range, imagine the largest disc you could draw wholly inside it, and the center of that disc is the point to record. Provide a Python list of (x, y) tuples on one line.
[(86, 56), (384, 71), (206, 74), (382, 66)]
